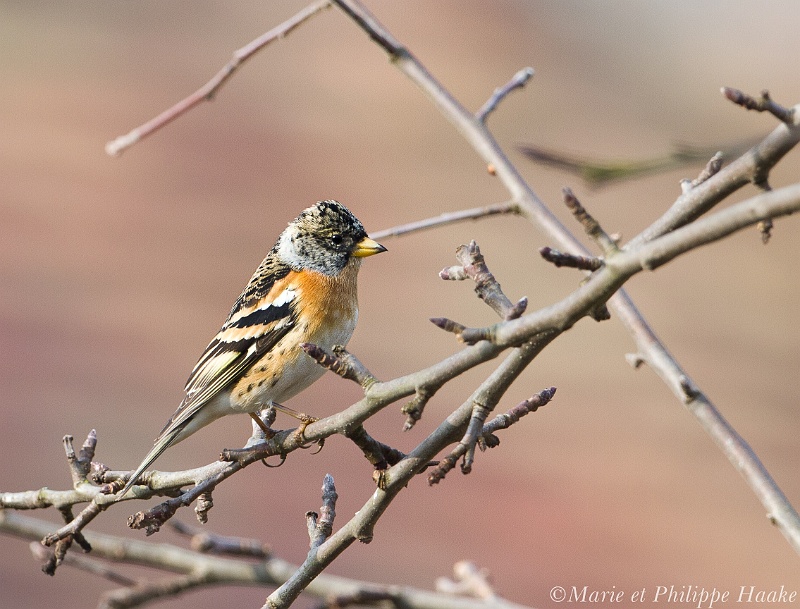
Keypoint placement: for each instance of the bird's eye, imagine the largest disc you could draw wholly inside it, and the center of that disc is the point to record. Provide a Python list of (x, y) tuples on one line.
[(337, 239)]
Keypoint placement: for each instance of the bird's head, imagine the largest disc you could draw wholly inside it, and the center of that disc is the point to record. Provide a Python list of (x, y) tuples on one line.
[(324, 238)]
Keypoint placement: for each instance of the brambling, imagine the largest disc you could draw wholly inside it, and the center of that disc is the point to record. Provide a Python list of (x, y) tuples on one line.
[(304, 291)]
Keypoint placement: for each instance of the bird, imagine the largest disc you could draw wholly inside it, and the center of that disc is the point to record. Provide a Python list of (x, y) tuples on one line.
[(304, 291)]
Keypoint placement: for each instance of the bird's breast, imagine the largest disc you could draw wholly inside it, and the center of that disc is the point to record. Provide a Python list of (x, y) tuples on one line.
[(326, 316)]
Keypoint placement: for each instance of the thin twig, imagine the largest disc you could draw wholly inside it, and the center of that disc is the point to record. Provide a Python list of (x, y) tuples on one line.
[(210, 89), (473, 266), (380, 455), (76, 525), (518, 81), (212, 543), (414, 409), (341, 362), (89, 565), (485, 436), (447, 218), (590, 225), (763, 104), (507, 419), (323, 522), (559, 259)]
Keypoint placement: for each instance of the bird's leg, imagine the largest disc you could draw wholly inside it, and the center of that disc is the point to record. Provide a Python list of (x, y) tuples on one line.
[(305, 420), (268, 433)]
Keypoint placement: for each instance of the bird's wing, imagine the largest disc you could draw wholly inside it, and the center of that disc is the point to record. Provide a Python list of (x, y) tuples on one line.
[(252, 329), (250, 332)]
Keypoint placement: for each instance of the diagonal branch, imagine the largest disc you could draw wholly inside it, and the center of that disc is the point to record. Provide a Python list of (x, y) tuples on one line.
[(519, 80), (395, 479), (606, 281), (210, 89), (751, 167)]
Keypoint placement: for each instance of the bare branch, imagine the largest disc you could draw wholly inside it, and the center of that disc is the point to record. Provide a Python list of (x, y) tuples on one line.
[(76, 525), (752, 167), (80, 465), (603, 283), (367, 22), (152, 519), (590, 225), (762, 104), (447, 218), (518, 81), (485, 398), (506, 420), (146, 592), (395, 479), (559, 259), (364, 596), (380, 455), (210, 89), (202, 541), (712, 167), (227, 571), (89, 565), (690, 206), (320, 526), (770, 204), (341, 362), (414, 409), (486, 438), (473, 266)]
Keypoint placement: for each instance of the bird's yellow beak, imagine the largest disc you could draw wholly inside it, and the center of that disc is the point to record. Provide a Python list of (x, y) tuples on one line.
[(367, 247)]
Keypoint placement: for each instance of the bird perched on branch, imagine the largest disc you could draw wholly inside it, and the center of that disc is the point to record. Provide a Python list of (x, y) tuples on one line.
[(304, 291)]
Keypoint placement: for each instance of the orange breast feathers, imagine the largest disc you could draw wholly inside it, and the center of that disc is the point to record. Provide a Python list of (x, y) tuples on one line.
[(329, 304), (326, 315)]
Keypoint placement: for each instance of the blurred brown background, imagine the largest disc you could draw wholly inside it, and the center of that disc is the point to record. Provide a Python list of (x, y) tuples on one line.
[(114, 274)]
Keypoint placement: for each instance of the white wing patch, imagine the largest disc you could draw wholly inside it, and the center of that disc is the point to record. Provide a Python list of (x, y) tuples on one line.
[(286, 296)]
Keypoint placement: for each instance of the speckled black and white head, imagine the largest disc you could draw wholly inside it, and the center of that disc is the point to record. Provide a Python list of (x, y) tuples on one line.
[(324, 238)]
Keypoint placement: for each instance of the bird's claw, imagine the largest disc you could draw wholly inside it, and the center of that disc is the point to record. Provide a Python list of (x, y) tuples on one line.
[(305, 421)]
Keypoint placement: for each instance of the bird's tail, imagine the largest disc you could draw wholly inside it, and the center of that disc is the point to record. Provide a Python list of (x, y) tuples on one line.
[(164, 441)]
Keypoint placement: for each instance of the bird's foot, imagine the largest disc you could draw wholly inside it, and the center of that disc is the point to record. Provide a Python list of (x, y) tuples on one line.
[(300, 437)]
